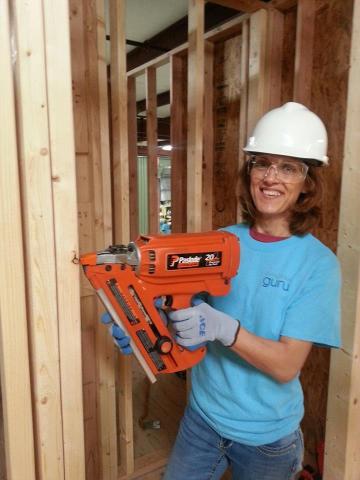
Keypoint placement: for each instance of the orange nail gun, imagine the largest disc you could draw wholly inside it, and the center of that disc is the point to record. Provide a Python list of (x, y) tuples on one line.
[(130, 278)]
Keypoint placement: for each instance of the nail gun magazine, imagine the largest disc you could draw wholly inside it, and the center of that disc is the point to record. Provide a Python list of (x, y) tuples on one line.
[(174, 268)]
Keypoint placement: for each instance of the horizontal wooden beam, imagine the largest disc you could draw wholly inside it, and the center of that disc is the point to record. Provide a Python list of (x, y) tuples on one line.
[(162, 99), (246, 6), (251, 6), (226, 30), (163, 128), (176, 34)]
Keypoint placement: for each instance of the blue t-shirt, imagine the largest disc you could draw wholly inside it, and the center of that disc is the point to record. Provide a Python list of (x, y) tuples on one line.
[(289, 288)]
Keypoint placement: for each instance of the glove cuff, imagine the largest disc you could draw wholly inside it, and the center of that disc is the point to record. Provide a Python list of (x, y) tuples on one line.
[(236, 333)]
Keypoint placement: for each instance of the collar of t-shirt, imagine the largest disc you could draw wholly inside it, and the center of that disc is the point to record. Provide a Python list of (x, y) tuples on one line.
[(264, 237)]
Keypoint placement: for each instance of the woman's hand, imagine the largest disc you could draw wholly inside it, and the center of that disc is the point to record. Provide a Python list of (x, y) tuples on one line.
[(121, 340), (202, 323)]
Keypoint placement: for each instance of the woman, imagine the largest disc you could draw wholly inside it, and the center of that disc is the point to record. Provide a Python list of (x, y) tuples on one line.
[(246, 401)]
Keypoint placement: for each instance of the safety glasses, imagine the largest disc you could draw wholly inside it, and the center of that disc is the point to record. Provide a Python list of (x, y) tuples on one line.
[(287, 171)]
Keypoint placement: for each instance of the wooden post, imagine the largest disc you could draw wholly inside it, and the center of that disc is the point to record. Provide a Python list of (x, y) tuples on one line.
[(342, 452), (61, 134), (119, 121), (34, 150), (257, 62), (104, 121), (208, 139), (133, 159), (120, 172), (244, 80), (178, 142), (305, 26), (196, 91), (14, 360), (265, 61), (152, 159)]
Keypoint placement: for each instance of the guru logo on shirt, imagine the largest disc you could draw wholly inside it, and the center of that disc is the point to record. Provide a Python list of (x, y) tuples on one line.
[(271, 281)]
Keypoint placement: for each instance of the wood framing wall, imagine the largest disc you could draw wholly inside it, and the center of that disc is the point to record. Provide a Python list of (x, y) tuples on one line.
[(55, 205), (342, 434), (40, 310)]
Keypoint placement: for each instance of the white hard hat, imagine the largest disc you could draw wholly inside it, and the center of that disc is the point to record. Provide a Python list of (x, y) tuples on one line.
[(291, 130)]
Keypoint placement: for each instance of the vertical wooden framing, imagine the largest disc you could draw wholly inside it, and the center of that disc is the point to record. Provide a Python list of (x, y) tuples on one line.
[(305, 27), (208, 139), (63, 176), (244, 80), (36, 173), (152, 159), (342, 453), (265, 62), (14, 361), (196, 85), (119, 121), (257, 63), (274, 56), (133, 186), (120, 164), (104, 121), (82, 51), (178, 142)]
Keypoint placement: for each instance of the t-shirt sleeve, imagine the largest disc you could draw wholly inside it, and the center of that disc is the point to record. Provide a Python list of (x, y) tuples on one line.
[(314, 313)]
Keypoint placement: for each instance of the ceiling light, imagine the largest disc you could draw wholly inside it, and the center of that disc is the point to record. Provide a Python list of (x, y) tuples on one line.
[(167, 147)]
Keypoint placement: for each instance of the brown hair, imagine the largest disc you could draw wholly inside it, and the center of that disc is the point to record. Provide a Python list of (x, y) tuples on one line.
[(306, 213)]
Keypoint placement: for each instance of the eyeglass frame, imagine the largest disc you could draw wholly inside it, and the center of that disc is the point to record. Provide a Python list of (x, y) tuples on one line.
[(252, 160)]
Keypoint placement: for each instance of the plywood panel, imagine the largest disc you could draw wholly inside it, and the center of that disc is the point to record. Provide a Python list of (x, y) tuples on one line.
[(328, 88), (342, 458)]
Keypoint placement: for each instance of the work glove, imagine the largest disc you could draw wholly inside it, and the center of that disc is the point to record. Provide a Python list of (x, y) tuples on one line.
[(202, 323), (121, 340)]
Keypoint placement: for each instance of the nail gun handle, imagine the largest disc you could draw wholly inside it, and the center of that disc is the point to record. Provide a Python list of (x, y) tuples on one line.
[(196, 301)]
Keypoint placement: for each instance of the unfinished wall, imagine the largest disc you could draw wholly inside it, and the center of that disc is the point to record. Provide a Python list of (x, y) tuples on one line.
[(227, 97), (333, 21)]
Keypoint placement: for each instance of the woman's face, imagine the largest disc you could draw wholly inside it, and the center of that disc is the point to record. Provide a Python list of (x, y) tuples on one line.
[(276, 182)]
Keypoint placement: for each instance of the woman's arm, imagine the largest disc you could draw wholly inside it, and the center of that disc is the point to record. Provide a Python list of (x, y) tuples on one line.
[(281, 359)]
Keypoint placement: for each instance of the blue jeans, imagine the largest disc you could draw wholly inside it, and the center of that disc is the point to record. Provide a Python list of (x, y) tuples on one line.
[(200, 453)]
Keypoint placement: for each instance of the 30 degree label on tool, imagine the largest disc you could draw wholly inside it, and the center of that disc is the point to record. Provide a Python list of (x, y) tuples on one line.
[(176, 261)]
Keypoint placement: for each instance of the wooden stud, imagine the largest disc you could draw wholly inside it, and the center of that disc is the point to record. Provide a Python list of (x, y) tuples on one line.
[(208, 139), (305, 29), (343, 414), (120, 144), (196, 85), (244, 86), (257, 62), (178, 142), (152, 158), (34, 150), (14, 360), (101, 209), (133, 154), (246, 6), (274, 57), (86, 226), (104, 122), (119, 121), (221, 32), (58, 68)]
